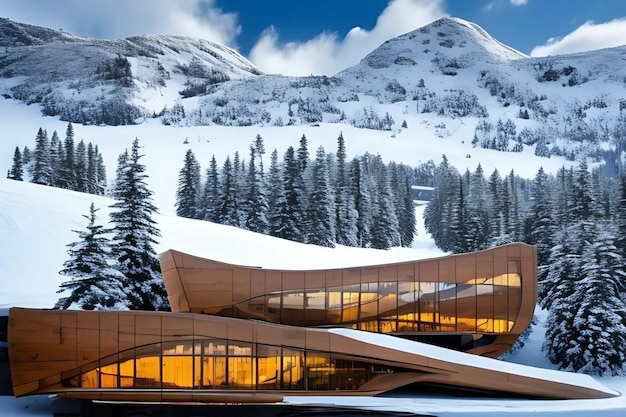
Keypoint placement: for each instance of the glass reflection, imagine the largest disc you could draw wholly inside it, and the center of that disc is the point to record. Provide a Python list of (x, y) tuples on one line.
[(487, 304), (238, 366)]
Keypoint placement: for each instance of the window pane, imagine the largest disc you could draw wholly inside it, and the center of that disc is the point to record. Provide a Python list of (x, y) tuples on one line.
[(148, 371), (213, 372), (108, 376), (241, 373), (177, 371), (269, 367), (293, 371)]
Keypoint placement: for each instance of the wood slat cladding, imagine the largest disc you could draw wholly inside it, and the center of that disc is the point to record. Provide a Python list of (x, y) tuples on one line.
[(46, 356), (487, 292), (484, 298)]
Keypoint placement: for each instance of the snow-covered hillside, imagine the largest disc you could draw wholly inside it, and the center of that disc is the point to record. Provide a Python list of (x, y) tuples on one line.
[(450, 78)]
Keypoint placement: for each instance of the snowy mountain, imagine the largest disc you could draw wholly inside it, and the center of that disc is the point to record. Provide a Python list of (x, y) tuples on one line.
[(123, 80), (451, 76)]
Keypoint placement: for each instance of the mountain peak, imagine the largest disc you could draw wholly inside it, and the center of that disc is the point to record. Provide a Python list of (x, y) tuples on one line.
[(448, 38), (464, 27)]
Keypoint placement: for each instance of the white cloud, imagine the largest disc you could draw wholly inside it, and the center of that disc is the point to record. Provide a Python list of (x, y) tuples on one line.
[(519, 2), (589, 36), (122, 18), (327, 54)]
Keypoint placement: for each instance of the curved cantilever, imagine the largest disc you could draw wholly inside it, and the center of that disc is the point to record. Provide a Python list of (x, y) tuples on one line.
[(158, 356), (487, 293)]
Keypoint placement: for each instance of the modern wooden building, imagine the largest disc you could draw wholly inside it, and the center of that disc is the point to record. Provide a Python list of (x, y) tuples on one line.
[(241, 334)]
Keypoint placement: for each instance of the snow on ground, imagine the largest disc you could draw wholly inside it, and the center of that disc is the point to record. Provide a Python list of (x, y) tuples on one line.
[(36, 223)]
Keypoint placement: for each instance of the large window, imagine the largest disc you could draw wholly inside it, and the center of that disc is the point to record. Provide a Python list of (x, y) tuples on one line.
[(225, 364), (474, 293)]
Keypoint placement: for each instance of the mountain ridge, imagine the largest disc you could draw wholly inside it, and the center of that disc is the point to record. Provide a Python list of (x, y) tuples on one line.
[(448, 73)]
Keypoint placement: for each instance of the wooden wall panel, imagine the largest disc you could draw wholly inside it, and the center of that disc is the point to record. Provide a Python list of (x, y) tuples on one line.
[(36, 376)]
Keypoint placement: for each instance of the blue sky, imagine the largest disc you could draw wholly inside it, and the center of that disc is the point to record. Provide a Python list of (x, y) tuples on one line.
[(301, 37), (522, 27)]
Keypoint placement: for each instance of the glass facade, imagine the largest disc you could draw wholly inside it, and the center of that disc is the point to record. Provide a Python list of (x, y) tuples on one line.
[(224, 365), (447, 295)]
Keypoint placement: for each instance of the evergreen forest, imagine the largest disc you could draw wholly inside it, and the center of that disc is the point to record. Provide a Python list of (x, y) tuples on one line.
[(576, 218)]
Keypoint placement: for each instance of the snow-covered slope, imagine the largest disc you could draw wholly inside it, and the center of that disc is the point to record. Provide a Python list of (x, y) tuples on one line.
[(128, 78), (450, 76)]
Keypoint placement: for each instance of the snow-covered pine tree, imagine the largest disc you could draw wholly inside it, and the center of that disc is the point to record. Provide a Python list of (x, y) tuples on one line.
[(384, 232), (557, 286), (135, 233), (118, 185), (320, 213), (68, 171), (188, 187), (17, 168), (438, 215), (460, 220), (360, 193), (101, 184), (56, 158), (80, 167), (94, 283), (599, 335), (403, 202), (228, 211), (40, 169), (210, 200), (541, 225), (274, 186), (291, 209), (620, 217), (479, 211), (345, 214), (255, 203), (95, 185), (238, 187)]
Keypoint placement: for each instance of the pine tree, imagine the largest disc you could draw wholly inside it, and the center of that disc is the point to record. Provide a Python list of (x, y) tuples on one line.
[(291, 209), (255, 204), (541, 226), (345, 213), (92, 170), (118, 184), (557, 284), (275, 196), (135, 233), (211, 194), (384, 232), (237, 187), (460, 223), (403, 202), (303, 154), (360, 193), (41, 171), (188, 187), (620, 217), (102, 173), (479, 211), (228, 210), (439, 214), (94, 284), (599, 334), (56, 158), (68, 172), (26, 156), (17, 168), (320, 218), (80, 168)]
